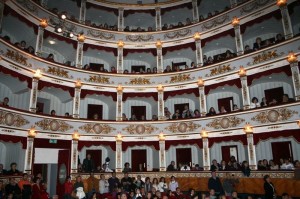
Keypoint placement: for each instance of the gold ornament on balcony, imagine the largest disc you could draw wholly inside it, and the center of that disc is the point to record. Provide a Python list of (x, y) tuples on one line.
[(197, 36), (32, 132), (160, 88), (298, 122), (200, 82), (235, 21), (161, 137), (81, 37), (281, 3), (242, 72), (292, 58), (78, 84), (120, 88), (204, 133), (119, 137), (158, 44), (121, 44), (37, 74), (248, 129), (44, 23), (75, 136)]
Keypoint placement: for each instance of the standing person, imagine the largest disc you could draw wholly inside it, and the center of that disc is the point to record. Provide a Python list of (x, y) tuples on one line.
[(215, 184), (269, 188), (113, 182), (229, 184), (68, 188), (173, 184), (92, 184), (126, 182), (12, 188), (25, 186), (103, 186), (148, 185), (36, 189), (88, 164), (162, 185), (78, 188)]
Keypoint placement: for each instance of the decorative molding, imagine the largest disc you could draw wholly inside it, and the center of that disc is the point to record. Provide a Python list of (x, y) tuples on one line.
[(253, 6), (58, 72), (139, 81), (275, 115), (53, 125), (16, 56), (101, 35), (54, 136), (180, 78), (139, 38), (98, 79), (265, 56), (182, 127), (215, 22), (225, 122), (177, 34), (220, 70), (96, 128), (11, 119), (140, 129)]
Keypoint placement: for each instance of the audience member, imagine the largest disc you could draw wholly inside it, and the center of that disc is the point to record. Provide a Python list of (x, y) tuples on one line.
[(211, 112), (254, 103), (171, 166), (173, 184), (13, 169), (215, 184), (88, 164), (127, 167), (270, 192), (5, 102)]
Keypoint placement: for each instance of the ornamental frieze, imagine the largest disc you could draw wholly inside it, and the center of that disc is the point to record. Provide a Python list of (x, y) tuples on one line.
[(98, 79), (177, 34), (254, 5), (215, 22), (53, 125), (220, 70), (96, 128), (140, 129), (180, 78), (58, 72), (182, 127), (225, 122), (265, 56), (275, 115), (139, 38), (139, 81), (11, 119), (16, 56), (29, 6), (101, 35)]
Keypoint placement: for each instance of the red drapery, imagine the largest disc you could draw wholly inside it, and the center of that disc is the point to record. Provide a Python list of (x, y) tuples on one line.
[(82, 144), (84, 93), (129, 12), (60, 38), (125, 145), (235, 138), (257, 137), (44, 143), (286, 69), (43, 84), (233, 82), (95, 47), (21, 77), (169, 143), (179, 47), (132, 95), (14, 139), (222, 34), (149, 50), (185, 5), (194, 91), (91, 5)]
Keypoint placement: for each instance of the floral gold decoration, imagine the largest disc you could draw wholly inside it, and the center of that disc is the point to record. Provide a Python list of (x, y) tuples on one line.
[(177, 34), (292, 58), (17, 57), (101, 35), (161, 136), (235, 21), (37, 75), (32, 132), (119, 138), (53, 125), (98, 79), (81, 37), (275, 115), (44, 23), (160, 88), (139, 81), (180, 78), (11, 119), (78, 84), (225, 122), (58, 72), (140, 129), (75, 136), (265, 56), (182, 127), (200, 82), (139, 38), (219, 70), (197, 36), (204, 133), (281, 3), (242, 72), (97, 128), (248, 129), (120, 88), (215, 22), (121, 44)]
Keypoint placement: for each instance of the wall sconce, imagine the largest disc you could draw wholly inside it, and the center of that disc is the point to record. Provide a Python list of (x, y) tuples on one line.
[(158, 44), (119, 137), (248, 129), (75, 136), (160, 88), (121, 44), (32, 132), (292, 58), (204, 133), (200, 82), (235, 21), (161, 136), (78, 84), (281, 3), (298, 122), (197, 36), (43, 23), (37, 74), (242, 72), (120, 88), (81, 37)]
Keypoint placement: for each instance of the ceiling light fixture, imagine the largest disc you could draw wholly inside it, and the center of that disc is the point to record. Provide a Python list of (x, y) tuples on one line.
[(52, 42)]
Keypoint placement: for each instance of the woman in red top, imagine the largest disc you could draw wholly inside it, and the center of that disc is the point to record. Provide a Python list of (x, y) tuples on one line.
[(68, 188), (36, 189)]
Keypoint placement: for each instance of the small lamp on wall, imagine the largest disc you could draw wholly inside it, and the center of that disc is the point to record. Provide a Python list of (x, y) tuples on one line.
[(161, 136), (204, 133), (78, 84), (44, 23), (281, 3), (242, 72), (292, 58), (119, 137), (235, 21), (197, 36), (200, 82), (248, 129), (160, 88), (32, 132), (75, 136), (37, 74)]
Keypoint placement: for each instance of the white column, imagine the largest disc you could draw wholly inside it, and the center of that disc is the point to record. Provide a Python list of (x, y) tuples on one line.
[(251, 151), (39, 41), (82, 11), (206, 154), (195, 11), (121, 19), (199, 54), (161, 102), (76, 100), (245, 92), (79, 54), (119, 105), (74, 156), (118, 155), (29, 155), (159, 57), (33, 94), (286, 22), (296, 79), (158, 18), (202, 97), (233, 3), (120, 58), (238, 37), (162, 155)]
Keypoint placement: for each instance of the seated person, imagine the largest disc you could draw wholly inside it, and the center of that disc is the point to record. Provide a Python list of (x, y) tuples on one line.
[(254, 103), (247, 49), (185, 167), (95, 116), (211, 112), (229, 55), (263, 102), (127, 168), (171, 166), (235, 108), (154, 118), (286, 99), (258, 44), (188, 114), (167, 113), (133, 117), (5, 102), (222, 110), (53, 113), (267, 43), (13, 169), (273, 102), (210, 60), (279, 38), (50, 57), (176, 115), (168, 69)]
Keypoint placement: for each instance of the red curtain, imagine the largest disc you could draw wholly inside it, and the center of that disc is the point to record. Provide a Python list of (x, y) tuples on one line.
[(132, 95), (43, 84), (235, 138), (233, 82), (185, 5), (149, 50), (60, 38), (194, 91), (257, 137), (183, 142), (129, 12), (21, 77), (155, 144), (92, 5), (179, 47), (14, 139), (95, 47), (84, 93), (82, 143)]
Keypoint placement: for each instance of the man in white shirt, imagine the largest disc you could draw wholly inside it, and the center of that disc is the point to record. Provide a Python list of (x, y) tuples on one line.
[(287, 165), (103, 185)]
